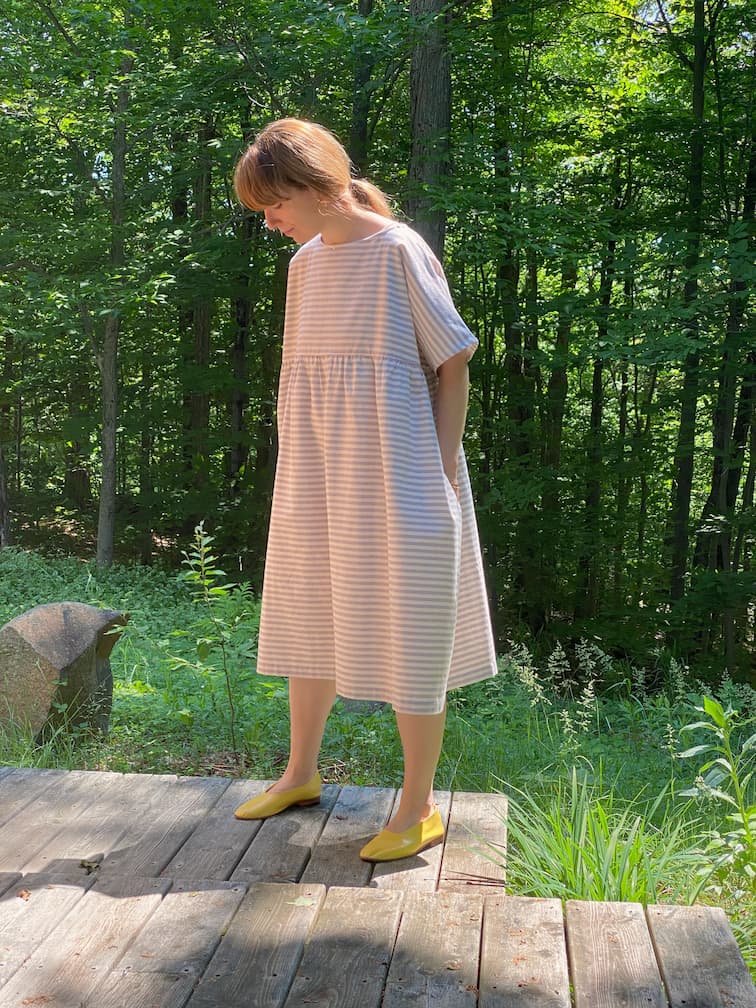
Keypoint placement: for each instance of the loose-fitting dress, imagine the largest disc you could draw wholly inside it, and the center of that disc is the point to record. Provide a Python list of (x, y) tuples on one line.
[(373, 573)]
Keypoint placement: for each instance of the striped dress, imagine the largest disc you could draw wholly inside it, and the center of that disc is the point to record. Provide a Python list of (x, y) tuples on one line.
[(373, 573)]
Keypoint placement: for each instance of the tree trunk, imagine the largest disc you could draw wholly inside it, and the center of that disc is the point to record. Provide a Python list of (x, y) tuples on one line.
[(430, 112), (553, 423), (5, 438), (242, 305), (197, 355), (268, 355), (107, 359), (146, 452), (108, 367), (624, 449), (363, 71), (683, 482), (6, 536), (731, 420), (589, 563)]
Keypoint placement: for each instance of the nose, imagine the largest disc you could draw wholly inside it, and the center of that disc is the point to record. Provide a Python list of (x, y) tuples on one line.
[(270, 219)]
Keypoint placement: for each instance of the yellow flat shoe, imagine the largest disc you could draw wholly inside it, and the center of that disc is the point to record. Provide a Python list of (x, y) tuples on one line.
[(389, 846), (270, 803)]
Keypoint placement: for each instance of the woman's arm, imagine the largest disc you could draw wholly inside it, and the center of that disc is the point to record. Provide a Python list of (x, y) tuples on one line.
[(451, 410)]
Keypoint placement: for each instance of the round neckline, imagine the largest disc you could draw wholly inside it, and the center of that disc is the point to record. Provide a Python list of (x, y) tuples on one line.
[(357, 241)]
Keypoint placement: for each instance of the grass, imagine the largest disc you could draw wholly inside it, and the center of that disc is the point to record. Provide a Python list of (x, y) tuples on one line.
[(589, 758)]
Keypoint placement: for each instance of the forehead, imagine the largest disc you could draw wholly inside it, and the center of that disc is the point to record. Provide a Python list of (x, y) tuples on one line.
[(290, 195)]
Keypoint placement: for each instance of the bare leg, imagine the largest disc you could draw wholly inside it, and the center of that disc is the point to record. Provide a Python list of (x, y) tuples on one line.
[(421, 735), (310, 702)]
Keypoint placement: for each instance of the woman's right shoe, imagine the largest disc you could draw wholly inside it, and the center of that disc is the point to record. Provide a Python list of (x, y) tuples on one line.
[(390, 846), (270, 803)]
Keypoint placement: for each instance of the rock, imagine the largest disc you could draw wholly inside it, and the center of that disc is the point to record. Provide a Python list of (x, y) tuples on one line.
[(55, 668)]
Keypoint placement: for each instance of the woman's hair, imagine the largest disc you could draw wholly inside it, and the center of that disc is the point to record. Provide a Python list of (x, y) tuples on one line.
[(297, 154)]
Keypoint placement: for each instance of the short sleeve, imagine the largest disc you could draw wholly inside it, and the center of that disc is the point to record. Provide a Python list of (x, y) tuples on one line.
[(440, 331)]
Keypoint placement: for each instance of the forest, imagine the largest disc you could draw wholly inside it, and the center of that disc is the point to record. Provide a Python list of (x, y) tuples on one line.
[(586, 173)]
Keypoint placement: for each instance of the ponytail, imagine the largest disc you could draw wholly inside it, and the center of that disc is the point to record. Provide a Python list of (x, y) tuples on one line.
[(370, 196)]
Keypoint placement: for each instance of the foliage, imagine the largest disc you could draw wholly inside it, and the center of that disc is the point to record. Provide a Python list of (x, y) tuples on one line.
[(726, 779), (568, 237), (582, 843), (218, 625), (586, 758)]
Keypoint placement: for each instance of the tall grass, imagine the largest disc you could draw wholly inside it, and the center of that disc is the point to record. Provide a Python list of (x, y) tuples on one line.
[(581, 842)]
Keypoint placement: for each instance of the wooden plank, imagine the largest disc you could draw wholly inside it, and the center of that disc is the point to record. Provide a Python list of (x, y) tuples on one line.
[(699, 958), (37, 823), (115, 802), (219, 841), (7, 879), (20, 786), (611, 956), (258, 956), (66, 968), (183, 933), (30, 911), (476, 833), (419, 873), (283, 844), (435, 960), (358, 815), (346, 958), (174, 809), (142, 990), (523, 958)]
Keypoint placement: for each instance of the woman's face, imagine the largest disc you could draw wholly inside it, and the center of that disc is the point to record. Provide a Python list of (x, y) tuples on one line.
[(298, 215)]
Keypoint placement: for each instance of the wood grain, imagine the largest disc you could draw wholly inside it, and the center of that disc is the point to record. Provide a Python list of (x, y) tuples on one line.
[(259, 954), (30, 911), (612, 958), (85, 946), (419, 873), (358, 815), (523, 957), (476, 833), (142, 990), (8, 879), (36, 823), (219, 841), (183, 933), (117, 801), (23, 785), (284, 844), (347, 955), (700, 961), (172, 808), (435, 960)]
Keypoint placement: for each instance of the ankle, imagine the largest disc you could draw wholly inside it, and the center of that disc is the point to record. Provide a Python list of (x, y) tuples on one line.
[(294, 777)]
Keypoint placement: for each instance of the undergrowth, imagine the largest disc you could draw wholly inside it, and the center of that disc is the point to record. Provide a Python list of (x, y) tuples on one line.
[(600, 770)]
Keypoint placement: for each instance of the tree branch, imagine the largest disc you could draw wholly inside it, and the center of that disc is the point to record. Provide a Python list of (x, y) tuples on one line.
[(60, 26), (672, 37)]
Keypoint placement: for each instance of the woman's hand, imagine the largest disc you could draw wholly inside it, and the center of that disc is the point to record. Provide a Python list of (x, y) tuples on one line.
[(451, 411)]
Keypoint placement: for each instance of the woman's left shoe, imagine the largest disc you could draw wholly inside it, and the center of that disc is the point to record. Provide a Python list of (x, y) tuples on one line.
[(389, 846), (270, 803)]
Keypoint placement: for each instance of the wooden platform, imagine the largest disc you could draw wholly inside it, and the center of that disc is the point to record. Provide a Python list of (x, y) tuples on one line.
[(129, 891)]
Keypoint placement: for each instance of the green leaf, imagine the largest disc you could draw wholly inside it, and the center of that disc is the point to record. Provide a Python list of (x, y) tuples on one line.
[(715, 711), (303, 901), (694, 751)]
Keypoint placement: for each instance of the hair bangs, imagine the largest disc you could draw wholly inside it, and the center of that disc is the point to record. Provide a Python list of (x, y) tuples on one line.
[(259, 182)]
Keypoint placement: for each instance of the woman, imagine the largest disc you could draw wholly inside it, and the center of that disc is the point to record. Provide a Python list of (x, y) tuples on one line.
[(373, 582)]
